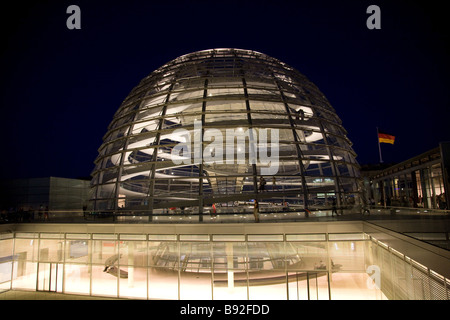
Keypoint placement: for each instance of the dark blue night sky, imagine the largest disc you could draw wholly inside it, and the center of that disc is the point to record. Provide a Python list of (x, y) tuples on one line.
[(60, 88)]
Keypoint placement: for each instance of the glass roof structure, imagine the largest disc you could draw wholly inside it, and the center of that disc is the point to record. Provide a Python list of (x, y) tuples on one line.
[(225, 130)]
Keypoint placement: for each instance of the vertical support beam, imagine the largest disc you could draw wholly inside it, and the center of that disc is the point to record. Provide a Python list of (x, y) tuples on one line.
[(90, 258), (179, 266), (285, 262), (131, 263), (39, 263), (407, 190), (200, 173), (444, 148), (307, 285), (423, 184), (117, 249), (120, 168), (334, 168), (415, 194), (250, 146), (329, 285), (432, 191), (147, 269), (151, 187), (230, 265), (299, 151), (211, 256)]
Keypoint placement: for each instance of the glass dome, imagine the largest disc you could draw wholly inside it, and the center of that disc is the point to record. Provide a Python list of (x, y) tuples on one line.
[(225, 131)]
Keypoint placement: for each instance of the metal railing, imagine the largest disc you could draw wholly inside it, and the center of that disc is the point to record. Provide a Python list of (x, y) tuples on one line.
[(242, 214)]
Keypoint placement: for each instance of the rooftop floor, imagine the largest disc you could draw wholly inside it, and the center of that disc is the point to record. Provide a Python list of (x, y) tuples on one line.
[(39, 295)]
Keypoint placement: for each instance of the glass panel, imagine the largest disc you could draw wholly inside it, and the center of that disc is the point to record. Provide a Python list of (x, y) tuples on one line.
[(346, 236), (305, 237), (162, 283), (102, 250), (228, 237), (177, 109), (226, 118), (5, 272), (50, 277), (24, 274), (186, 95), (51, 250), (194, 237), (230, 255), (277, 107), (137, 156), (6, 249), (353, 286), (106, 191), (26, 249), (253, 93), (225, 289), (230, 265), (52, 236), (267, 285), (196, 282), (269, 119), (265, 237), (149, 113), (223, 82), (76, 279), (163, 254), (104, 236), (135, 284), (226, 105), (347, 255), (154, 101), (318, 285), (103, 283), (117, 133), (77, 236), (5, 276), (133, 253), (133, 237), (266, 256), (194, 256), (225, 92), (298, 286), (306, 255), (169, 237)]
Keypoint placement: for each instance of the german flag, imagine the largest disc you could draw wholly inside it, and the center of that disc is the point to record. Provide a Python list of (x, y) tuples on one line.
[(384, 137)]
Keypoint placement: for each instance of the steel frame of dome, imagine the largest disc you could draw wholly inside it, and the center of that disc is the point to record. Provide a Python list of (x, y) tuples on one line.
[(225, 89)]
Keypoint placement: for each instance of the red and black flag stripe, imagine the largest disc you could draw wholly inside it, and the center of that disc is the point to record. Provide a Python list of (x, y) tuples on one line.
[(384, 137)]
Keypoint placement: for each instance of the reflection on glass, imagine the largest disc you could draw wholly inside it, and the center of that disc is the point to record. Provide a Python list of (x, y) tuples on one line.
[(24, 275), (77, 279), (162, 283), (135, 285), (307, 267), (103, 283)]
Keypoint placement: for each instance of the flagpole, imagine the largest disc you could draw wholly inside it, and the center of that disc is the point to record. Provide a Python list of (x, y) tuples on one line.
[(379, 147)]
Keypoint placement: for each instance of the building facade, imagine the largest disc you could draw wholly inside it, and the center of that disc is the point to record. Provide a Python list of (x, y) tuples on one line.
[(419, 182), (52, 193), (292, 261)]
